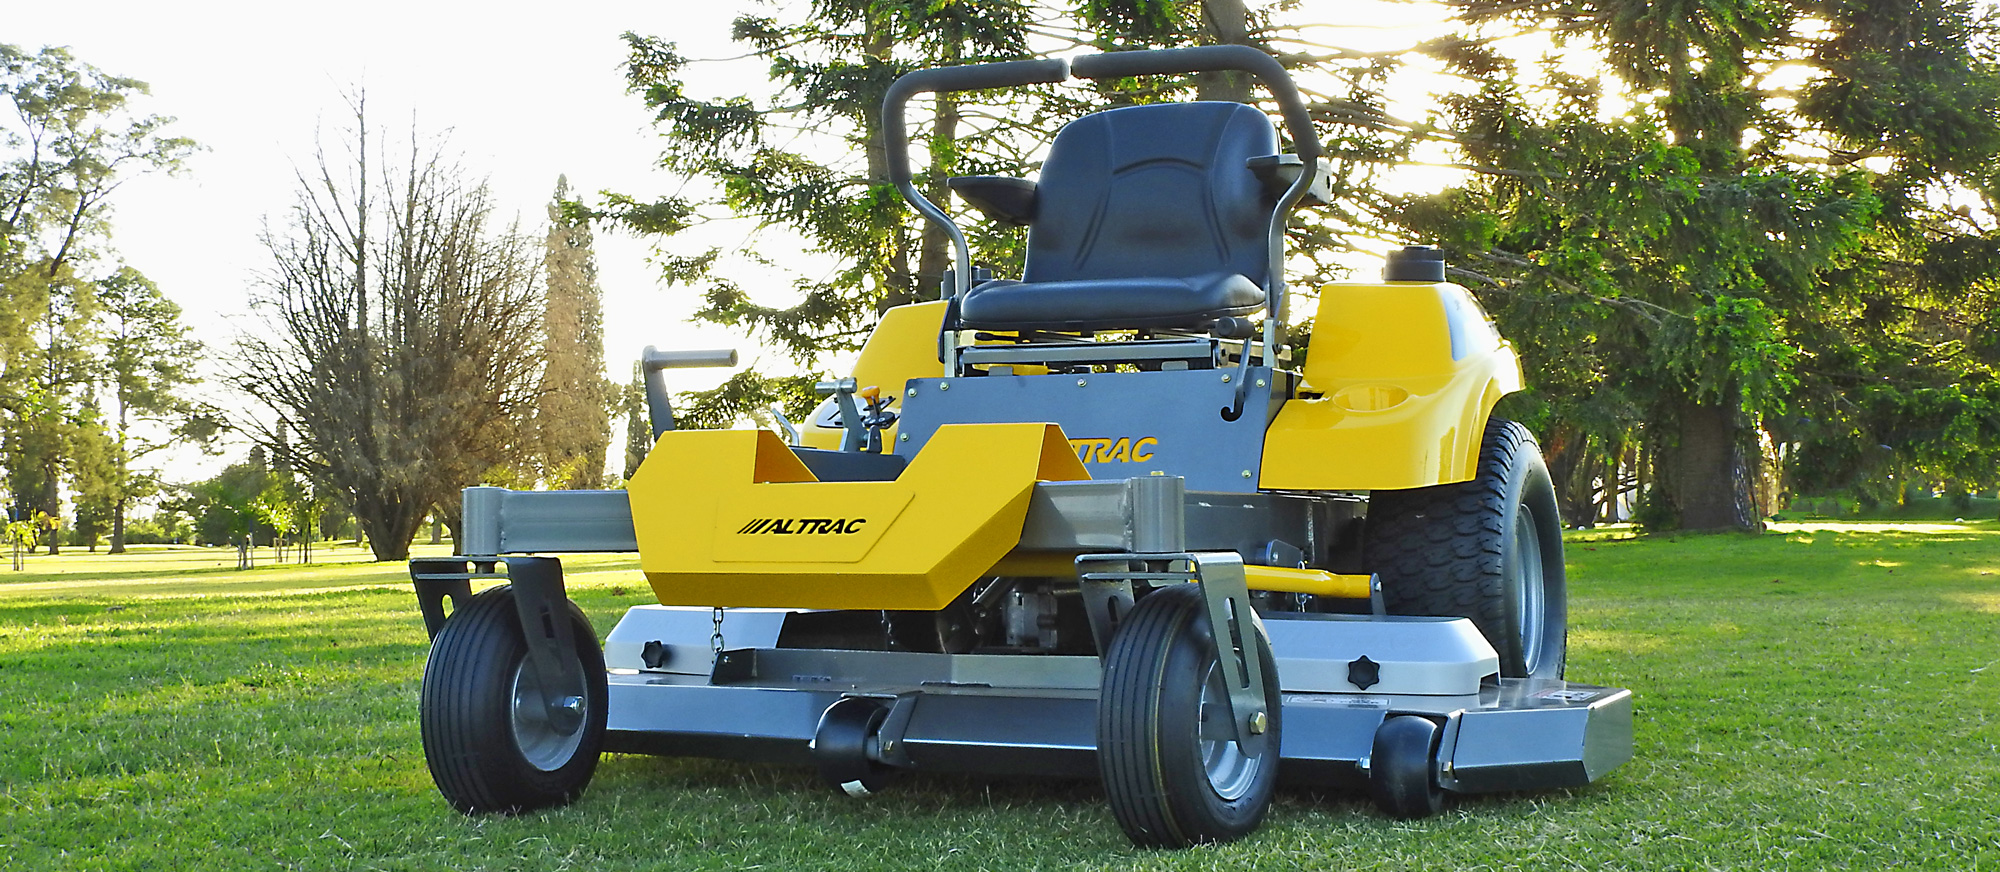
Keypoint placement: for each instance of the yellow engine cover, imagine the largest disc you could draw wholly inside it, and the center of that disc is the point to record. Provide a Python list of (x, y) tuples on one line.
[(733, 518)]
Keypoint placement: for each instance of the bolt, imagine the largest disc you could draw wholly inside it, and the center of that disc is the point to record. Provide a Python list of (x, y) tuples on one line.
[(1225, 379), (911, 393), (1260, 382), (1259, 722), (944, 386), (571, 704), (902, 437), (1081, 382), (1246, 473)]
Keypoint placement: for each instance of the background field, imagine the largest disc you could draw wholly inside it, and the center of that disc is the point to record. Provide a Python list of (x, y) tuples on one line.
[(1822, 696)]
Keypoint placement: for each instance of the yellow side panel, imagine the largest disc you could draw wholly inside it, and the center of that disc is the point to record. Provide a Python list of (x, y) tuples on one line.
[(904, 346), (1399, 381), (712, 534)]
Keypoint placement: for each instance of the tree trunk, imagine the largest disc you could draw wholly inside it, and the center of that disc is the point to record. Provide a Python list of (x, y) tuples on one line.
[(389, 529), (935, 255), (52, 505), (1702, 471), (1226, 23), (454, 523), (1568, 453), (117, 526), (898, 286)]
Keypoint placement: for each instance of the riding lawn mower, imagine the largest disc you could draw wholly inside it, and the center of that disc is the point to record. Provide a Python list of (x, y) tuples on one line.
[(1100, 517)]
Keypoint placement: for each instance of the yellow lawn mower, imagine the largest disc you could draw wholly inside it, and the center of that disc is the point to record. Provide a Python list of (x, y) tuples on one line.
[(1093, 517)]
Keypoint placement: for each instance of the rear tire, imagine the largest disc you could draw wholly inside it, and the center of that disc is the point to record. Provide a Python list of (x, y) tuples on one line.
[(1169, 786), (1489, 549), (490, 747)]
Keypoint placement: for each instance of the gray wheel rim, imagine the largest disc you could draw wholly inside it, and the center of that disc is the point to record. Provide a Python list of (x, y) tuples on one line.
[(1530, 594), (1230, 771), (543, 744)]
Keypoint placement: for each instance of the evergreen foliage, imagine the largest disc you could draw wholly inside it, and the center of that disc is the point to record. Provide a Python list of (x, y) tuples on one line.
[(572, 418), (1759, 217)]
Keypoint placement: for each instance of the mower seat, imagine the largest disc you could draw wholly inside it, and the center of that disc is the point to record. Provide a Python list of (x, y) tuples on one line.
[(1144, 216)]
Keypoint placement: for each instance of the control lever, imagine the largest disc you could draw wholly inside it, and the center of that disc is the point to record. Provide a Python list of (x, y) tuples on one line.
[(857, 433)]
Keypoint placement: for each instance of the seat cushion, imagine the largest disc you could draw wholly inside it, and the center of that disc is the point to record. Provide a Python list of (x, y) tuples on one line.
[(1103, 304)]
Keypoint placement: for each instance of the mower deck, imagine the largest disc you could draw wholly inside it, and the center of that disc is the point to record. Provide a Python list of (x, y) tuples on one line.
[(1036, 715)]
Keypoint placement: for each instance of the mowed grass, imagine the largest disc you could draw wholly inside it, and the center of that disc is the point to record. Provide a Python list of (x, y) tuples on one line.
[(1816, 697)]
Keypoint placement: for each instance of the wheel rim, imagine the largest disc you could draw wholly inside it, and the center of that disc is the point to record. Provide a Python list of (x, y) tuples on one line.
[(1231, 773), (542, 743), (1529, 591)]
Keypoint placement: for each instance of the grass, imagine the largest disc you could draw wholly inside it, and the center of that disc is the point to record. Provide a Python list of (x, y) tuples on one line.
[(1819, 696)]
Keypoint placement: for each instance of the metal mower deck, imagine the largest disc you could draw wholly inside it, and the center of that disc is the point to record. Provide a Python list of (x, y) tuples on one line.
[(1020, 714)]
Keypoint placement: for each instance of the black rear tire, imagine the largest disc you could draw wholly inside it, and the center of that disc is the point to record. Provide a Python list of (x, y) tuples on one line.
[(489, 746), (1489, 549), (1169, 787)]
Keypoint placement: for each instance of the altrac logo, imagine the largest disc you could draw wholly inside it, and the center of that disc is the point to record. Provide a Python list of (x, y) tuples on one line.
[(802, 526), (1124, 449)]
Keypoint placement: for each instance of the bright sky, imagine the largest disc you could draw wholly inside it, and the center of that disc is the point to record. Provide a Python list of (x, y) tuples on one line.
[(526, 93)]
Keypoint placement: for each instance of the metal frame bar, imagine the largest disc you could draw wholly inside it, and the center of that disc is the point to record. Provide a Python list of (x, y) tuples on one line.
[(1062, 516)]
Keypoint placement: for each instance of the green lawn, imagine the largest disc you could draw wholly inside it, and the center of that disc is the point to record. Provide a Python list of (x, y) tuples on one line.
[(1817, 697)]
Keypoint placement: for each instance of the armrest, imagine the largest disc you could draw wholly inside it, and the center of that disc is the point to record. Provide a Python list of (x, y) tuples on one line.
[(1006, 200), (1278, 171)]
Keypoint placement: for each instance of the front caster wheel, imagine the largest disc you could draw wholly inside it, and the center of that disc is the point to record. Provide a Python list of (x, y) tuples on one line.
[(1173, 776), (491, 744), (840, 747), (1402, 768)]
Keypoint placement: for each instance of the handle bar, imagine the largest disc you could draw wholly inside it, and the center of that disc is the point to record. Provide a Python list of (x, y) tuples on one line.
[(653, 361)]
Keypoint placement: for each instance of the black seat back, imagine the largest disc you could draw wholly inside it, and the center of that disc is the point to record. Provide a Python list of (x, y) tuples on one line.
[(1154, 190)]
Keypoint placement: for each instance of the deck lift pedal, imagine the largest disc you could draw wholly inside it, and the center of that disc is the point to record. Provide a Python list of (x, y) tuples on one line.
[(1088, 518)]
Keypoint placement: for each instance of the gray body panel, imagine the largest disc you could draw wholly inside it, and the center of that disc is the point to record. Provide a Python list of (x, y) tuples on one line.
[(1172, 418)]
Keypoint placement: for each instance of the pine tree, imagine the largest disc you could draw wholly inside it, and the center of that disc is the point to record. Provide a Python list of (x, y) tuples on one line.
[(1742, 225), (572, 415), (766, 155)]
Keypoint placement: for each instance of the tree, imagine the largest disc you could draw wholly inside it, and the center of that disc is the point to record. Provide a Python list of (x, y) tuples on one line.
[(235, 506), (71, 142), (1736, 228), (638, 430), (573, 419), (805, 158), (400, 336), (147, 363), (830, 70)]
